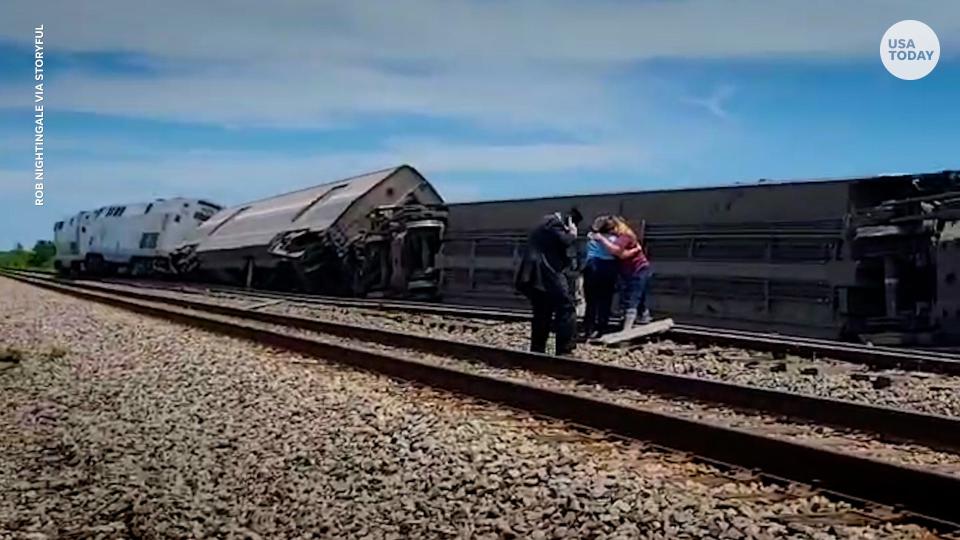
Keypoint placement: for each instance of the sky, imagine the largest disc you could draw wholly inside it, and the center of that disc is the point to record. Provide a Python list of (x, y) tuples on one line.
[(489, 99)]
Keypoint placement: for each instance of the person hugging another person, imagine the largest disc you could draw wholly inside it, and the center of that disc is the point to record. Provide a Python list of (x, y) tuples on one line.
[(635, 271), (599, 278)]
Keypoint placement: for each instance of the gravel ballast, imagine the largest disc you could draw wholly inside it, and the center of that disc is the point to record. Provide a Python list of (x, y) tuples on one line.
[(914, 390), (848, 441), (117, 425), (920, 391)]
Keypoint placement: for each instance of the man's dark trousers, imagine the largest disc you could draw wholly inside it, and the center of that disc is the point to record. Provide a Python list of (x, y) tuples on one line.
[(599, 284), (553, 308)]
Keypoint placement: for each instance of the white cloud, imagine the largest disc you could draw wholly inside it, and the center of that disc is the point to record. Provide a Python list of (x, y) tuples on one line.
[(526, 65), (235, 177), (715, 102), (536, 63), (466, 30), (328, 94)]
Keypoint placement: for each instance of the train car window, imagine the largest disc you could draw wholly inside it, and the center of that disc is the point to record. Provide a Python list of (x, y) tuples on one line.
[(176, 219), (97, 213), (211, 205), (149, 240), (200, 216), (120, 212), (186, 205), (147, 211)]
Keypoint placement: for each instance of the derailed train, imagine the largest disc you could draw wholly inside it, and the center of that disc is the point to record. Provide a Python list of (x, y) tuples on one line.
[(377, 234), (872, 258)]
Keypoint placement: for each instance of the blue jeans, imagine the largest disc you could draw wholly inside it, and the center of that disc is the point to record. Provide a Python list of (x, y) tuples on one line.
[(633, 294)]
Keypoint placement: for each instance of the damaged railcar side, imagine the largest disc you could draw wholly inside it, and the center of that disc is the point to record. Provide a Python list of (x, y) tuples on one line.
[(376, 234), (873, 258)]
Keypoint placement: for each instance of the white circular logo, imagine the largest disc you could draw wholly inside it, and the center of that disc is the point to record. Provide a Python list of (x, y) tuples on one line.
[(910, 50)]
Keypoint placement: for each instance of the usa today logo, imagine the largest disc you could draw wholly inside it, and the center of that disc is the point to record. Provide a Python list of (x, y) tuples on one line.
[(910, 50)]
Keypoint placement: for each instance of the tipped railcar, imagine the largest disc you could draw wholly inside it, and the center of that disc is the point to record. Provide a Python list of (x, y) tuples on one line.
[(873, 258), (377, 234), (131, 239)]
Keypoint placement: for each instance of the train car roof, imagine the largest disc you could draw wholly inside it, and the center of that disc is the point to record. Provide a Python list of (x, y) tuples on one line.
[(315, 208), (759, 183), (144, 204)]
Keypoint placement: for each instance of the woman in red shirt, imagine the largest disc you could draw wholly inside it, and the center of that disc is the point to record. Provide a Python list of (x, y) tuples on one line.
[(635, 273)]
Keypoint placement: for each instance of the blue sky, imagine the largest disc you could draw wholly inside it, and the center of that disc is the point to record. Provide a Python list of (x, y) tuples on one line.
[(488, 98)]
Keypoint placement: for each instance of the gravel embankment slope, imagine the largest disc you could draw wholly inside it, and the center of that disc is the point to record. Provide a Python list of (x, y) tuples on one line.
[(116, 425)]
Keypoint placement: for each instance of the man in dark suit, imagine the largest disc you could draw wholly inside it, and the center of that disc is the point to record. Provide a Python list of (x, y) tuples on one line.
[(542, 280)]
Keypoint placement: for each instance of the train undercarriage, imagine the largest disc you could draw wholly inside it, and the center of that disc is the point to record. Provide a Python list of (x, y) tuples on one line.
[(395, 257), (907, 268)]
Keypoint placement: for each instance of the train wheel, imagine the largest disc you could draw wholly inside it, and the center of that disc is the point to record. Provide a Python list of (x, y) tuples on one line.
[(94, 265), (139, 267)]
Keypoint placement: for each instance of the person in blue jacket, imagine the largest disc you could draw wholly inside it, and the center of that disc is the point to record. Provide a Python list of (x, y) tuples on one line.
[(599, 279)]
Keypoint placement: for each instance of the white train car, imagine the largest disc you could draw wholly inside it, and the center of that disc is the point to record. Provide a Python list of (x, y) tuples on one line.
[(129, 238), (372, 234), (66, 239)]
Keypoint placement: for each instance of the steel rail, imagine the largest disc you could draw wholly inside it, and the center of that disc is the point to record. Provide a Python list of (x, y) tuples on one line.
[(937, 431), (874, 356), (877, 357), (926, 353), (918, 491)]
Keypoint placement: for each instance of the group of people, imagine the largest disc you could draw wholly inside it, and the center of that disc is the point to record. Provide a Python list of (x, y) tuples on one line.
[(614, 256)]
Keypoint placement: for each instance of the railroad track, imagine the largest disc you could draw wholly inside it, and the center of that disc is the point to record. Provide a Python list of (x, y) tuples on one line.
[(878, 357), (916, 490)]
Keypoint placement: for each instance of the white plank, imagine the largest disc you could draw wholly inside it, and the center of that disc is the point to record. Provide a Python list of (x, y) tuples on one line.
[(637, 332)]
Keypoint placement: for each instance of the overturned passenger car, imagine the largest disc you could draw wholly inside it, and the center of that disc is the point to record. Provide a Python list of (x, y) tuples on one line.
[(377, 234)]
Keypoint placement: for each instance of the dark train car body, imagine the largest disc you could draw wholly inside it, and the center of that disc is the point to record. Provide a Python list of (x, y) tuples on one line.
[(870, 258)]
